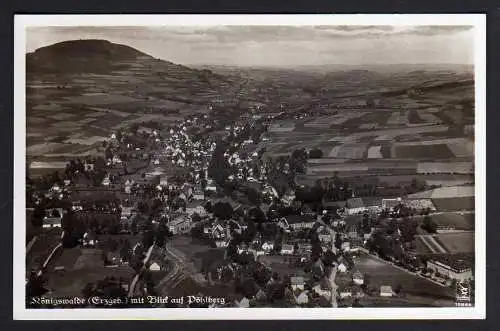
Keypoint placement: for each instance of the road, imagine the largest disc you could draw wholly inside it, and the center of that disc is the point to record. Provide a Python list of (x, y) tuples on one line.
[(334, 286), (182, 269)]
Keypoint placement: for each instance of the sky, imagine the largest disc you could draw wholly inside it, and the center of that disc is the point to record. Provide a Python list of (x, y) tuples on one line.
[(280, 45)]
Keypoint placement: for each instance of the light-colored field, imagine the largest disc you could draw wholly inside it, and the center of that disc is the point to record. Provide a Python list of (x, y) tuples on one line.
[(336, 167), (111, 111), (48, 165), (349, 151), (61, 116), (446, 167), (101, 99), (448, 141), (445, 193), (374, 152), (43, 148), (86, 141)]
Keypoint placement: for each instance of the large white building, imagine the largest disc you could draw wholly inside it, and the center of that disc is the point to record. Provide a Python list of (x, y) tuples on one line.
[(455, 266)]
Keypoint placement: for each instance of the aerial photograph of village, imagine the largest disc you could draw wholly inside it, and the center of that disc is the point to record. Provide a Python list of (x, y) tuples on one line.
[(250, 166)]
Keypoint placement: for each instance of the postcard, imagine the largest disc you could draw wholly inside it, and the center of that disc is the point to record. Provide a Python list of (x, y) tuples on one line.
[(250, 167)]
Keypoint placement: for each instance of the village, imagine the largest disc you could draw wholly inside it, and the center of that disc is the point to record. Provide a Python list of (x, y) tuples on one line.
[(201, 207)]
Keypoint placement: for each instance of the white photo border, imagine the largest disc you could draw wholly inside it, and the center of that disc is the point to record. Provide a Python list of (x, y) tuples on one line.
[(21, 22)]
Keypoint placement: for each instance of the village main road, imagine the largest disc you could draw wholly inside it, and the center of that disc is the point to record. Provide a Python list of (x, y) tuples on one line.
[(334, 287)]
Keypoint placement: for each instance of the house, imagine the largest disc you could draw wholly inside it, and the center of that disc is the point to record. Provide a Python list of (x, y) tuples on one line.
[(218, 232), (198, 194), (302, 298), (345, 292), (181, 224), (126, 212), (116, 160), (304, 248), (386, 291), (88, 167), (297, 283), (154, 267), (106, 181), (345, 246), (53, 218), (358, 278), (323, 289), (243, 303), (355, 206), (164, 181), (325, 235), (299, 222), (455, 266), (195, 207), (390, 204), (342, 267), (51, 222), (287, 249), (267, 246)]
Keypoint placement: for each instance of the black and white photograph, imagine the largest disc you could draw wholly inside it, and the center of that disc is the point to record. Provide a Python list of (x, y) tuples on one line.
[(283, 166)]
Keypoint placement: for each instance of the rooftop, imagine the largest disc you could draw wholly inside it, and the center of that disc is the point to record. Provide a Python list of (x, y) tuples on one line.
[(457, 262)]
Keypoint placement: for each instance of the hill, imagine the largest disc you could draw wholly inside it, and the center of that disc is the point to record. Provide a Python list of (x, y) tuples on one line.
[(79, 90)]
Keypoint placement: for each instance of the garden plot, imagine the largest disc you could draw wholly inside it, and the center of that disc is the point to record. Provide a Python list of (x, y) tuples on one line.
[(349, 151), (374, 152)]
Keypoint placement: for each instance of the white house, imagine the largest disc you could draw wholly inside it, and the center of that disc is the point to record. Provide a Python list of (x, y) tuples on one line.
[(346, 246), (197, 208), (355, 206), (358, 278), (287, 249), (154, 267), (302, 298), (297, 283), (342, 268), (268, 246), (386, 291)]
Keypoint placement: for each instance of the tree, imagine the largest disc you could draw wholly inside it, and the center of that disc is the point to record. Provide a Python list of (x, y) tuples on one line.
[(315, 153), (222, 210), (38, 215), (148, 238)]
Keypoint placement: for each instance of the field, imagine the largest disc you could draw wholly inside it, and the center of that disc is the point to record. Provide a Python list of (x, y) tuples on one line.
[(423, 152), (455, 220), (458, 242), (382, 273), (454, 204)]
